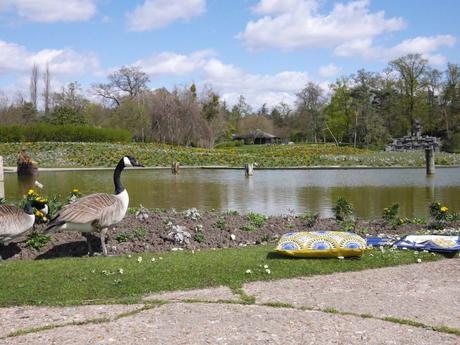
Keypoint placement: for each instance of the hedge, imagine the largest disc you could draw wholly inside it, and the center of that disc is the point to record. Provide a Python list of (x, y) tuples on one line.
[(64, 133)]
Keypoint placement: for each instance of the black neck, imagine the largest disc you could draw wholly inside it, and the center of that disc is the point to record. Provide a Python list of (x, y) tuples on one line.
[(116, 177), (28, 208)]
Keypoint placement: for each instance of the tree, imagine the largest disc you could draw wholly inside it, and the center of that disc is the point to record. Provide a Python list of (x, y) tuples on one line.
[(412, 69), (210, 105), (33, 85), (450, 98), (339, 112), (46, 89), (126, 82), (71, 97), (310, 119)]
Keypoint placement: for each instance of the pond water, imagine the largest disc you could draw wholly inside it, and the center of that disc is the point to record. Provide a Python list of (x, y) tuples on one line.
[(268, 191)]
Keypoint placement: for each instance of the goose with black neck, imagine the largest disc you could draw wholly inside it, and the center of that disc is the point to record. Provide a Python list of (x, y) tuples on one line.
[(96, 212)]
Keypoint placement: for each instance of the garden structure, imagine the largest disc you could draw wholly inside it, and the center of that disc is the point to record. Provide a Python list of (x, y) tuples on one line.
[(257, 137)]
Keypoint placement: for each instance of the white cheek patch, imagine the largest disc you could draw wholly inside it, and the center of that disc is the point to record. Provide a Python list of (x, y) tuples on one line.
[(45, 210), (127, 162)]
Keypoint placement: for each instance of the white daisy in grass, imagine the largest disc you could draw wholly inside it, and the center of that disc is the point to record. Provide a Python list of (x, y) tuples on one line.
[(268, 271), (153, 260), (419, 260), (248, 271), (139, 259), (120, 270)]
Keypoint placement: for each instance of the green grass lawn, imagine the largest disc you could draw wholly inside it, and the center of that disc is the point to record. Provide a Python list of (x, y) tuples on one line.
[(74, 281)]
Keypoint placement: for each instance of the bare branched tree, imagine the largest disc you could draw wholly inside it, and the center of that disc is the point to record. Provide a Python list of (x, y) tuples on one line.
[(127, 81), (46, 89), (33, 85)]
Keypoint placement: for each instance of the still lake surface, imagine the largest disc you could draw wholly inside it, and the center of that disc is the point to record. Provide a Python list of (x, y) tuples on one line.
[(270, 192)]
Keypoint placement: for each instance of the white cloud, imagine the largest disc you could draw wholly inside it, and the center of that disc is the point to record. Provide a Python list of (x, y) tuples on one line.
[(16, 58), (49, 11), (426, 46), (174, 64), (329, 70), (153, 14), (226, 79), (293, 24)]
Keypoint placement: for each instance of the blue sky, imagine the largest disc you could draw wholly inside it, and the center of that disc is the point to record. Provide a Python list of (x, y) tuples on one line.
[(266, 50)]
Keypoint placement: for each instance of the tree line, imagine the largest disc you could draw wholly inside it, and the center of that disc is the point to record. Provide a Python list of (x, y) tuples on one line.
[(364, 109)]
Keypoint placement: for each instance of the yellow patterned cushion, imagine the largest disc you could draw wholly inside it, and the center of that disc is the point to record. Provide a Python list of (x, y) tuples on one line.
[(321, 244)]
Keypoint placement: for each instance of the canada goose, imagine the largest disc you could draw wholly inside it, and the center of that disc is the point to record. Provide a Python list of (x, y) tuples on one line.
[(96, 212), (14, 221)]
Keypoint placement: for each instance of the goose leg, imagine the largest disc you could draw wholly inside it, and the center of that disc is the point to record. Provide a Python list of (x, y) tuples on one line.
[(104, 248), (88, 243)]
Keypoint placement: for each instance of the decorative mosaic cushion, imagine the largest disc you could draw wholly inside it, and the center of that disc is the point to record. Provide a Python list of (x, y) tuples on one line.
[(321, 244)]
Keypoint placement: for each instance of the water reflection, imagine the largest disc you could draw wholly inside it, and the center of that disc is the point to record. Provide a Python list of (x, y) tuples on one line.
[(268, 191), (26, 182)]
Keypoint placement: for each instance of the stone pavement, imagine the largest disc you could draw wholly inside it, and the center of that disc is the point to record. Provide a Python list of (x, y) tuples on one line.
[(413, 304)]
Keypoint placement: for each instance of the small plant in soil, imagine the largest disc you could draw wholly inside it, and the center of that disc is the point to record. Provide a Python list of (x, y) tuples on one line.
[(142, 213), (439, 215), (192, 213), (199, 237), (122, 237), (141, 232), (310, 219), (343, 209), (133, 210), (249, 227), (37, 241), (221, 223), (390, 213), (256, 219), (362, 231), (233, 213), (265, 238), (168, 222), (348, 226), (179, 235)]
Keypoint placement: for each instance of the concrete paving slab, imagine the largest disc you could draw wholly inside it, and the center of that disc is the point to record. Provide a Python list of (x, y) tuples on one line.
[(16, 318), (220, 293), (425, 292), (236, 324)]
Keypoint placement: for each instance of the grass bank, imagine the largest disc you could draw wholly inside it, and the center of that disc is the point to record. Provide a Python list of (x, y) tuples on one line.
[(61, 155), (124, 279)]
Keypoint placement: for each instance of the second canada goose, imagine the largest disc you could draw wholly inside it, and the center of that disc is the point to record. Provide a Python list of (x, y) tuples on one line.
[(14, 221), (96, 212)]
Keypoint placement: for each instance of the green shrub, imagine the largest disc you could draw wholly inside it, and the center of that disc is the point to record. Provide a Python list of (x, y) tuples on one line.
[(256, 219), (64, 133), (141, 232), (343, 210), (249, 227), (390, 213), (199, 237), (452, 144), (122, 237), (310, 219), (221, 223), (36, 240)]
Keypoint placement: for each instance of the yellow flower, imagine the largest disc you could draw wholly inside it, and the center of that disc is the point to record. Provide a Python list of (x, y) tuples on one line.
[(38, 213), (30, 192), (75, 190), (444, 209)]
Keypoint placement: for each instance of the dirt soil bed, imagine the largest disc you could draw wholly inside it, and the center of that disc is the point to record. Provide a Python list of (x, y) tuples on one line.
[(208, 230)]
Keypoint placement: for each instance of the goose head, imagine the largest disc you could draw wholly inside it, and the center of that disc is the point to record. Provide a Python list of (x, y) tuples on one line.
[(41, 206), (130, 161)]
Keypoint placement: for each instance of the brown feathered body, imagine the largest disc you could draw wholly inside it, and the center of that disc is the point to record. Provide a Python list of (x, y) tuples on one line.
[(92, 213), (14, 222)]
